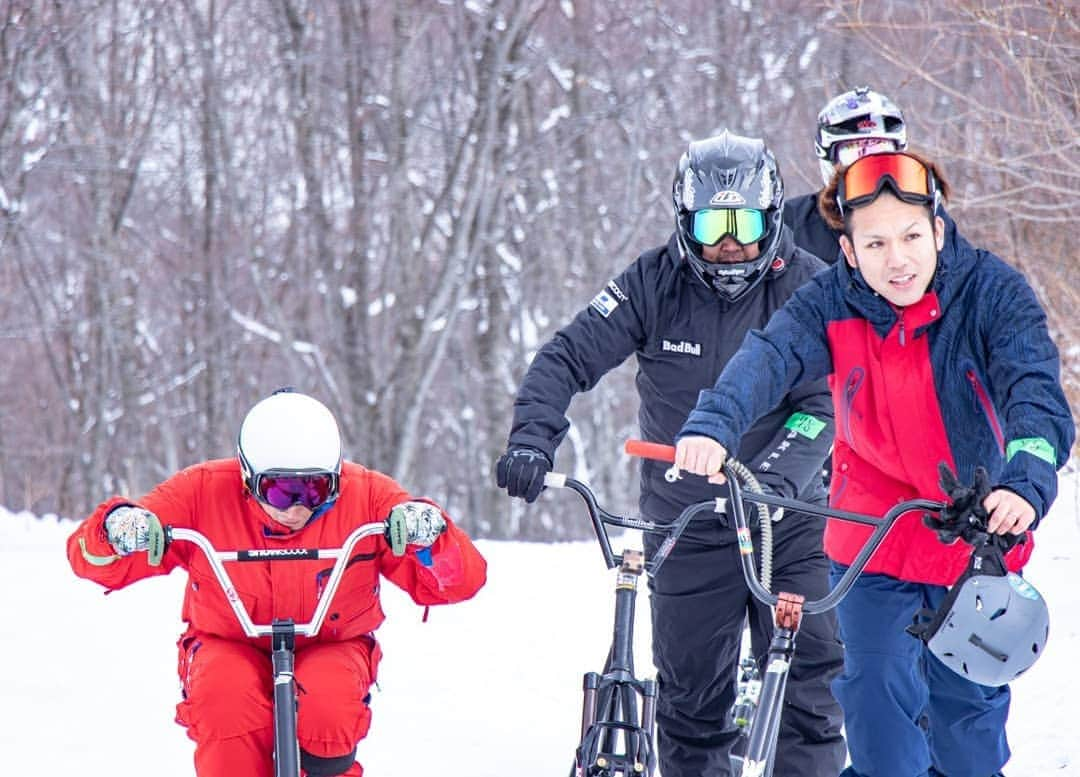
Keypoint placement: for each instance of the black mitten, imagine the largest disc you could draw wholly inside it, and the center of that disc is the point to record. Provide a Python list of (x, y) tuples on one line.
[(964, 517)]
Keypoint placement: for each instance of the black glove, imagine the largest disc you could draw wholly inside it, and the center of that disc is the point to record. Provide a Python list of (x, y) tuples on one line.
[(965, 517), (521, 472)]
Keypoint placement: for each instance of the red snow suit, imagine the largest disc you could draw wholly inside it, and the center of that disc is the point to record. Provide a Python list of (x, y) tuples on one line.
[(226, 676)]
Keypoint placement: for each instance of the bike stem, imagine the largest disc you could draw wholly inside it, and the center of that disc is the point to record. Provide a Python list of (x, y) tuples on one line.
[(286, 744), (626, 582)]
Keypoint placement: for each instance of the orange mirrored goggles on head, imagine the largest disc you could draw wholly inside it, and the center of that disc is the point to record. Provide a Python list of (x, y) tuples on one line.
[(908, 178)]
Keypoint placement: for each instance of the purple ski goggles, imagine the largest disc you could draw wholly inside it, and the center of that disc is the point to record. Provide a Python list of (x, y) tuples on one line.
[(283, 491)]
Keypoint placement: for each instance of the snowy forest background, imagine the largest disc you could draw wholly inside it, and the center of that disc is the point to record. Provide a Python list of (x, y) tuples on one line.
[(390, 205)]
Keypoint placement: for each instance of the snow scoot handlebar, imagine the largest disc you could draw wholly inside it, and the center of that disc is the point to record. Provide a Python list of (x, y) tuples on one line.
[(283, 631), (216, 558)]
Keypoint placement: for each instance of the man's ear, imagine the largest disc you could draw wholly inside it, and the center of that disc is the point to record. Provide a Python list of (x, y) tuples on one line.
[(849, 251), (939, 232)]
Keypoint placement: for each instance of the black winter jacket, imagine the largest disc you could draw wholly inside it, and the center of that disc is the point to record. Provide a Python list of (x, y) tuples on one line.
[(811, 232), (682, 334)]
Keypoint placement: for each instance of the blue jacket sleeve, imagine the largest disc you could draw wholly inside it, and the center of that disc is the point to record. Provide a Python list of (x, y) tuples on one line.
[(598, 339), (795, 456), (1024, 375), (792, 349)]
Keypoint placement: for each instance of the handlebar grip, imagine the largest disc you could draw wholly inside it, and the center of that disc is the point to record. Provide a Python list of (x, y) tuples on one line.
[(555, 480), (650, 450)]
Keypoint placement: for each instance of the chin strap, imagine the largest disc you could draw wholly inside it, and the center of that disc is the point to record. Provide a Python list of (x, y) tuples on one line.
[(987, 560)]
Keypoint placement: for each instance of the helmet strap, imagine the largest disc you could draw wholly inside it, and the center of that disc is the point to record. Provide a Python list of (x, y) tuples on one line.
[(987, 559)]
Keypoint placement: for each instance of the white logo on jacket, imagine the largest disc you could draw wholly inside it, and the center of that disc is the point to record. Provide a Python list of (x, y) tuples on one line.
[(608, 299), (616, 292), (693, 349)]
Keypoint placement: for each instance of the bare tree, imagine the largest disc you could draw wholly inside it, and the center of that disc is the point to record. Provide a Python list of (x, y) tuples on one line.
[(393, 205)]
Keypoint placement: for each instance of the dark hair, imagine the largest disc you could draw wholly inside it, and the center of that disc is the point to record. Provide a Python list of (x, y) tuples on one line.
[(830, 211)]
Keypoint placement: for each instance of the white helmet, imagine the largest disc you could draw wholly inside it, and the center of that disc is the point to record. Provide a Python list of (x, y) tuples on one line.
[(859, 115), (289, 433)]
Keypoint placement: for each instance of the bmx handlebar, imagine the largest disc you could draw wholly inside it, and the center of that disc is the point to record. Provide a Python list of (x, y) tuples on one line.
[(733, 470), (217, 559), (601, 518)]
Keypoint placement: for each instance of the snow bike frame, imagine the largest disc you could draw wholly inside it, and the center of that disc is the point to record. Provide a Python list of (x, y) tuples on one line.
[(788, 608), (617, 741), (282, 632)]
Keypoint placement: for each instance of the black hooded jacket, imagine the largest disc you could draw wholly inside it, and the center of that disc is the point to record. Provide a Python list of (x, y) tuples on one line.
[(811, 232), (683, 334)]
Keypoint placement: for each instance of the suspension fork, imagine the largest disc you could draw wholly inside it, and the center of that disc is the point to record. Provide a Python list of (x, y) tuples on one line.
[(614, 694)]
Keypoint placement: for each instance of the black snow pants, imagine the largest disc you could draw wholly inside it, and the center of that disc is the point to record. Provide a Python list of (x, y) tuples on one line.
[(700, 604)]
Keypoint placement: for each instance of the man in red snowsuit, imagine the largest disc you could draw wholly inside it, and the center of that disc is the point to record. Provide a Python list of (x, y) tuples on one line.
[(288, 488)]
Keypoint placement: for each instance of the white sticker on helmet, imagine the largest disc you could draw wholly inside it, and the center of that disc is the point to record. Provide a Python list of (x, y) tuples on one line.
[(688, 189), (766, 195), (727, 198)]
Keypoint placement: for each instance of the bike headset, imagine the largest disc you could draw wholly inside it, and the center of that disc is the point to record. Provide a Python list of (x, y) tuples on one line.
[(992, 625), (858, 115), (728, 171), (289, 434)]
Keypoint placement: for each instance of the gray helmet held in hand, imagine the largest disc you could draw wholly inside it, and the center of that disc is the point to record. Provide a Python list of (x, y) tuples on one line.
[(994, 631)]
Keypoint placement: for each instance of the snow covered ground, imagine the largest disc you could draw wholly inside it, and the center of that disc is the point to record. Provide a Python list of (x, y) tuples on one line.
[(489, 687)]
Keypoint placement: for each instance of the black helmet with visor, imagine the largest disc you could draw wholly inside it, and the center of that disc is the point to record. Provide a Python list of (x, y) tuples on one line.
[(728, 185)]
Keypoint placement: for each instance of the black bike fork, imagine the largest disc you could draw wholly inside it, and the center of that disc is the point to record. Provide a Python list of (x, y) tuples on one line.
[(761, 747), (609, 708), (286, 746)]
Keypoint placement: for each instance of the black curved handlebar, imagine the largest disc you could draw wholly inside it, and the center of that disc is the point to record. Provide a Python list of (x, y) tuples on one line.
[(881, 525), (601, 518)]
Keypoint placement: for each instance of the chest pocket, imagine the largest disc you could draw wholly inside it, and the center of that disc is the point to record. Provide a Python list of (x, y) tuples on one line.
[(354, 610), (208, 610)]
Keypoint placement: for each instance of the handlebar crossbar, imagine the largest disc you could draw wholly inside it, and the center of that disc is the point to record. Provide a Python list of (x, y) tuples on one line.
[(217, 559), (601, 519), (735, 504), (881, 525)]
